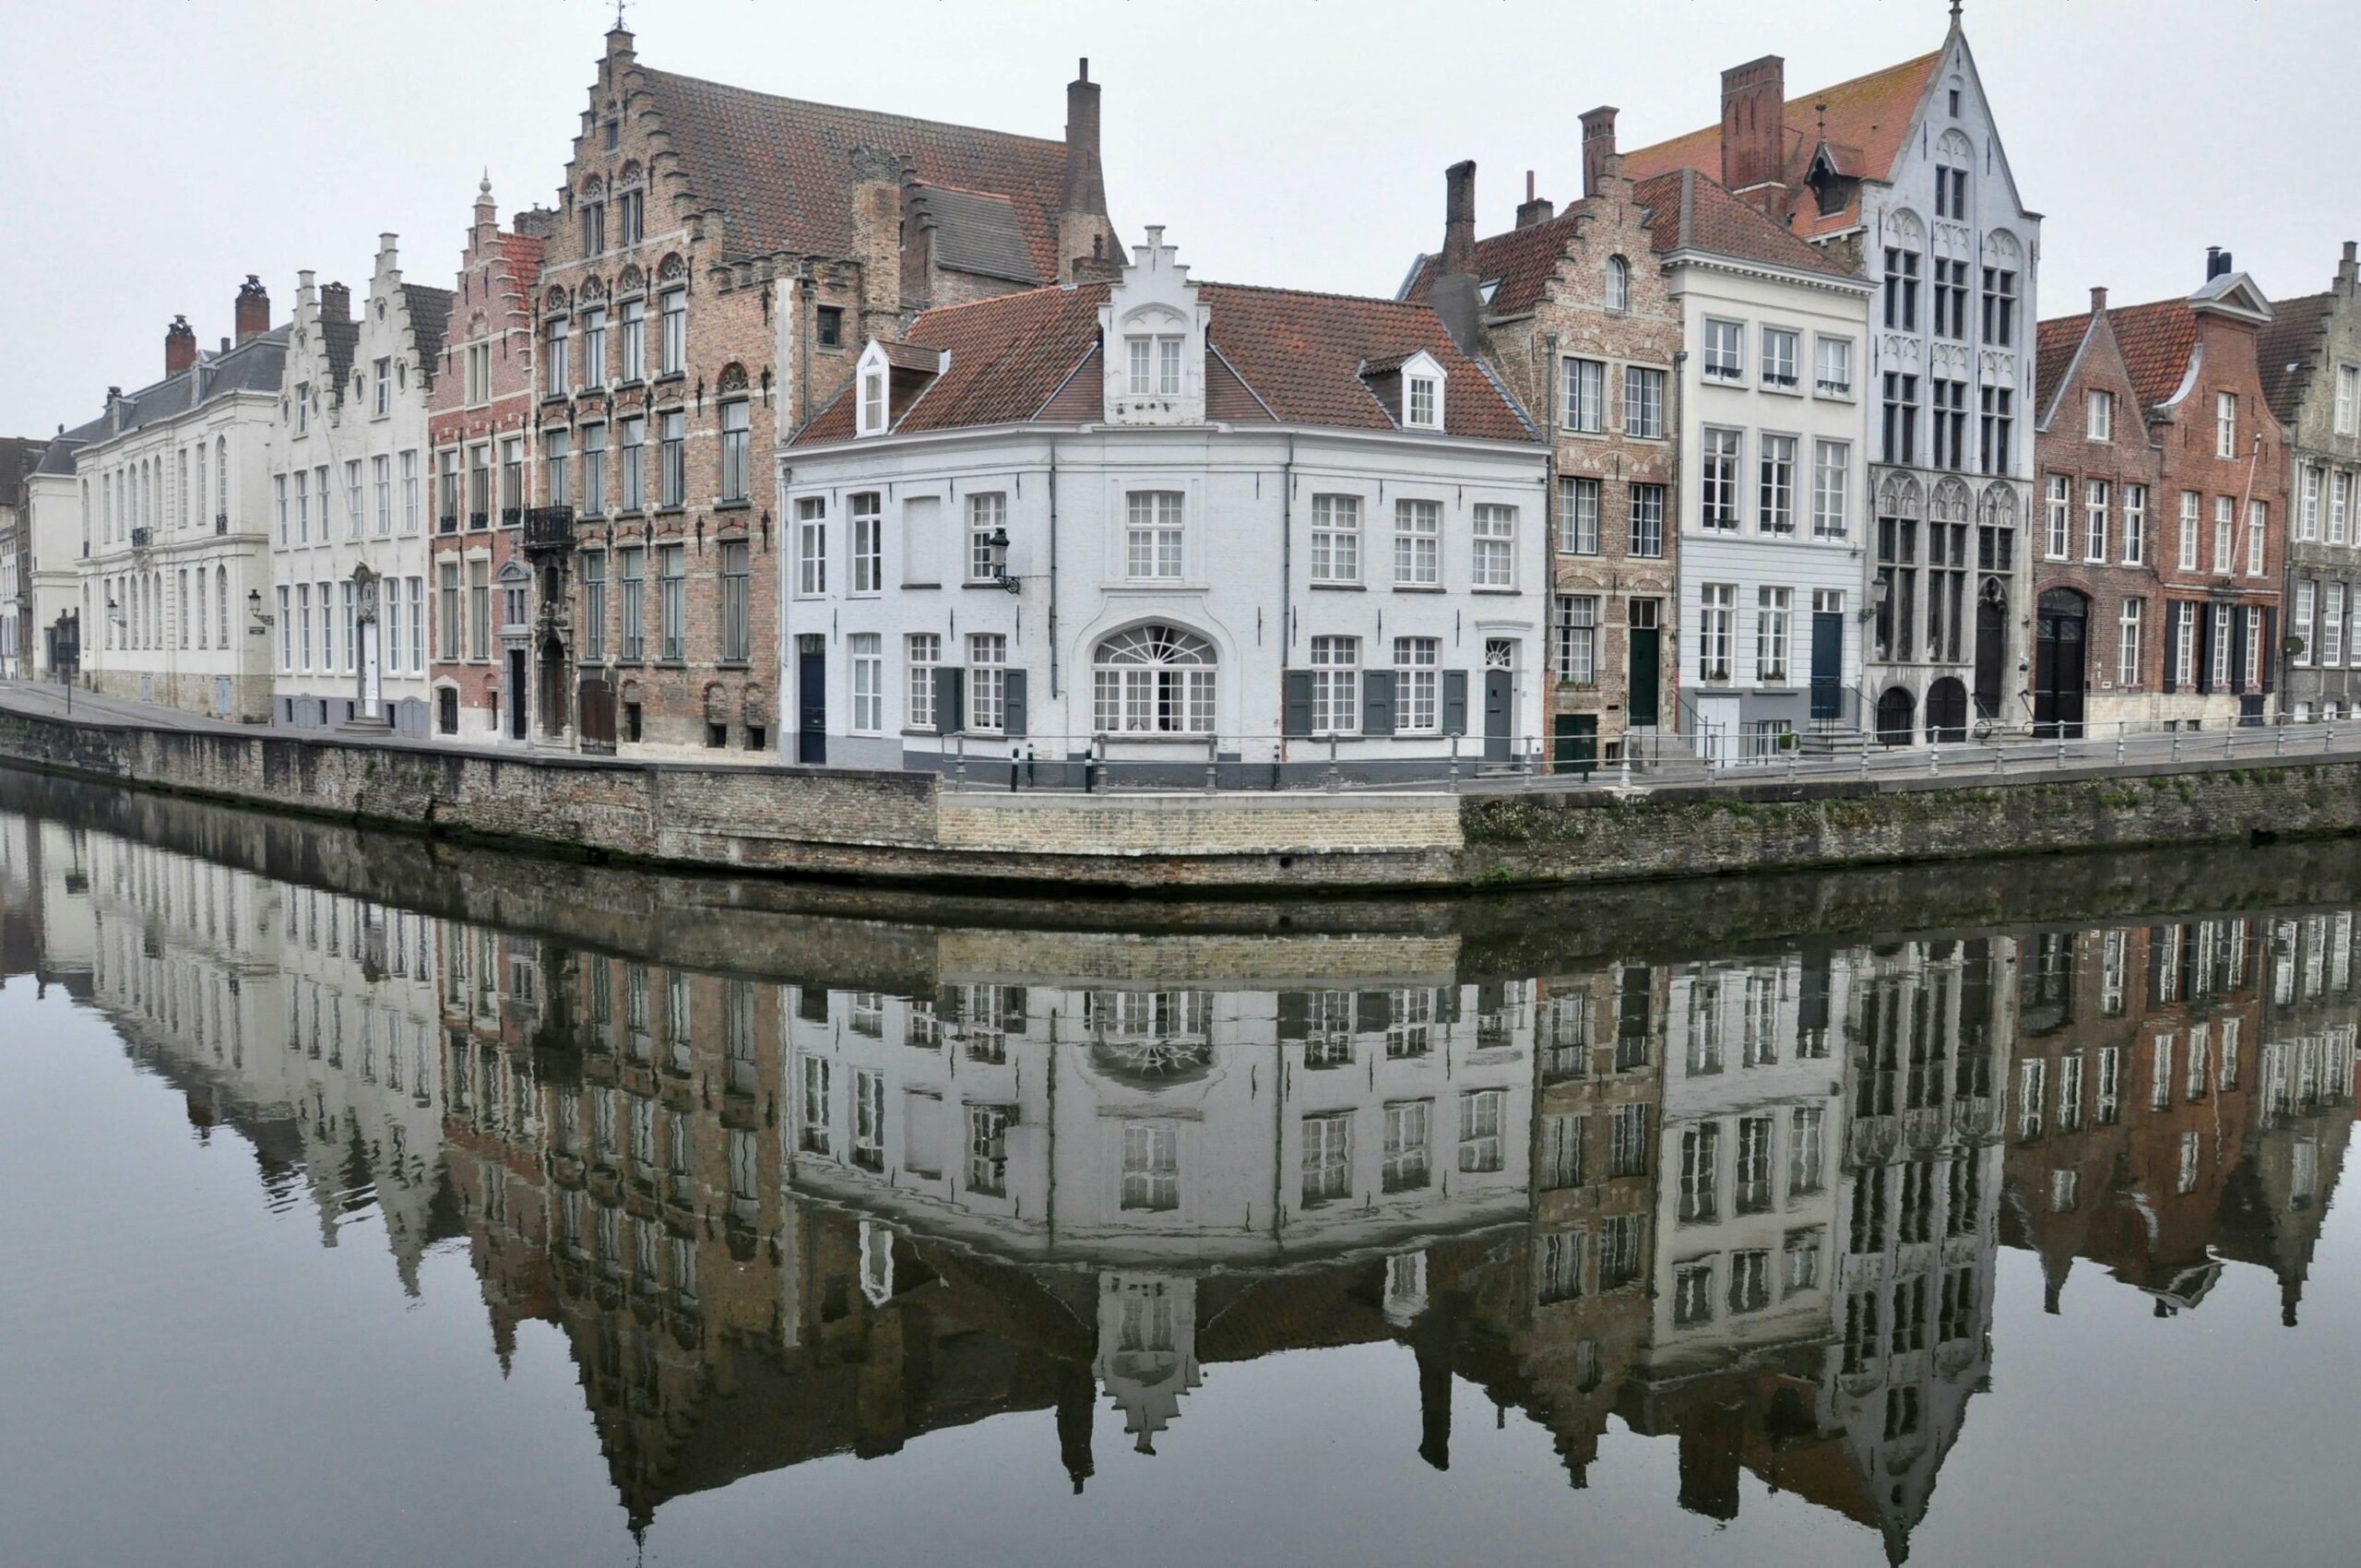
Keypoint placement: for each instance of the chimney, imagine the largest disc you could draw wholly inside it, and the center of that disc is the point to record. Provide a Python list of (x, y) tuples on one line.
[(1082, 202), (180, 345), (1754, 123), (1599, 146), (1535, 209), (2098, 299), (336, 303), (1459, 217), (2217, 263), (253, 311)]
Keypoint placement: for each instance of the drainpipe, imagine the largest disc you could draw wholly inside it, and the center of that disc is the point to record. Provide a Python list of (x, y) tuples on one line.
[(1055, 693), (1667, 653), (1286, 580), (1545, 674)]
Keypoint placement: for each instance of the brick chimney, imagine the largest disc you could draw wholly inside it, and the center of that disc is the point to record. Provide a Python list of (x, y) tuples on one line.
[(1459, 216), (336, 303), (1083, 229), (180, 345), (1533, 208), (2098, 299), (252, 316), (1599, 146), (1754, 123), (2348, 272)]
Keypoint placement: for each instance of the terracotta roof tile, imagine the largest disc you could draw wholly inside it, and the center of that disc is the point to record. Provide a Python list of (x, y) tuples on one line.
[(779, 170), (2287, 351), (1522, 261), (2056, 342), (2156, 340), (1867, 119), (1281, 353)]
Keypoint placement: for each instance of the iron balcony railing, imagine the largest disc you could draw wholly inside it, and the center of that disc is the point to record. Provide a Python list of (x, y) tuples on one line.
[(549, 527)]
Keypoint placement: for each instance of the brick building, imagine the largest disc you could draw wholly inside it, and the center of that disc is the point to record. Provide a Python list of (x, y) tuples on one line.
[(2310, 357), (1572, 310), (719, 256), (2212, 525), (479, 426)]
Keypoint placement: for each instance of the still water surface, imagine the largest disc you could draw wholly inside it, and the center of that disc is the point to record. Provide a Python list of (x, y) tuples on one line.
[(375, 1202)]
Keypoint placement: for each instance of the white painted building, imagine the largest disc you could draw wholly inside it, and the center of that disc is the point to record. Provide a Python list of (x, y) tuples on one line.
[(1773, 460), (348, 504), (58, 513), (172, 484), (1164, 522)]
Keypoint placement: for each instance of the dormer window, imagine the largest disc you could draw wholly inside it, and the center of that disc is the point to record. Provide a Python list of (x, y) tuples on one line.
[(1422, 389), (872, 400), (1155, 331), (1154, 366), (1421, 401)]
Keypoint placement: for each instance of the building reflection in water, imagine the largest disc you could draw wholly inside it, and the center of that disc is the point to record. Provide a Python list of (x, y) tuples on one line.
[(1750, 1203)]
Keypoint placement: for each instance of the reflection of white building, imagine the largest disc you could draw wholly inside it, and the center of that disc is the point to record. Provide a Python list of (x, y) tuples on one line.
[(1753, 1121)]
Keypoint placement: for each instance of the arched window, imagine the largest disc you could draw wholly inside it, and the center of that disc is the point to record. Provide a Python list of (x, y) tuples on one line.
[(1153, 680), (222, 476), (204, 621), (1618, 283)]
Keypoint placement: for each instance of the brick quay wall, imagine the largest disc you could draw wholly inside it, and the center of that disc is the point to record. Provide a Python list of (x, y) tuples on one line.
[(898, 827)]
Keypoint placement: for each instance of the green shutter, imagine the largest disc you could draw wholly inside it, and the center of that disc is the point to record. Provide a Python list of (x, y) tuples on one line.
[(1377, 702), (1012, 704), (950, 700), (1455, 702), (1295, 716)]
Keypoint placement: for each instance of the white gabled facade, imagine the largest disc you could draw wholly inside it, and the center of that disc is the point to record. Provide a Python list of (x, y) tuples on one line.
[(349, 501), (1774, 524), (1136, 577)]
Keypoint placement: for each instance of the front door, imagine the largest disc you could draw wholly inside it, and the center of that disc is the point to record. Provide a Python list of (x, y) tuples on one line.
[(2059, 664), (516, 705), (1574, 746), (812, 698), (1991, 647), (371, 685), (596, 702), (1827, 665), (1500, 698), (1641, 699)]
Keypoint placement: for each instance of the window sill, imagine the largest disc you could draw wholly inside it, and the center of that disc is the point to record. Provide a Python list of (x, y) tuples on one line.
[(1829, 395), (1318, 587), (1776, 389), (741, 664), (1717, 378), (1419, 588), (744, 504), (671, 511), (1497, 590)]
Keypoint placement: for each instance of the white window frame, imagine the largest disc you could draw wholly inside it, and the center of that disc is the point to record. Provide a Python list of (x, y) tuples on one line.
[(1775, 494), (866, 656), (1717, 630), (1155, 536), (2188, 555), (1582, 395), (1832, 367), (2127, 646), (1831, 487), (1493, 547), (1418, 685), (811, 546), (2098, 415), (1335, 538), (2135, 525), (1782, 353), (1774, 635), (1578, 515), (1418, 542), (2225, 425), (1724, 355), (1335, 686), (2095, 509)]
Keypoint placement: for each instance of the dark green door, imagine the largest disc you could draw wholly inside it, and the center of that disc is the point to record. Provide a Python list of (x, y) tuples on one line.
[(1575, 744), (1644, 674)]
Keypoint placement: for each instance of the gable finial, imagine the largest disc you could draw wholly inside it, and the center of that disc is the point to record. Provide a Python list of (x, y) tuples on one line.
[(619, 13), (1955, 3), (1822, 109)]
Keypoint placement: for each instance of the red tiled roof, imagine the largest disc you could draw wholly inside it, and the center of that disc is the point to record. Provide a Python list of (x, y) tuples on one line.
[(1866, 119), (1686, 209), (2156, 340), (1290, 356), (2056, 342), (779, 170)]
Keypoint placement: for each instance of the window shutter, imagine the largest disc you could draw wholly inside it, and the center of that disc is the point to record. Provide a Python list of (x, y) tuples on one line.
[(2172, 646), (1295, 721), (1377, 702), (1372, 1011), (2204, 614), (1295, 1015), (1455, 702), (2270, 649), (1012, 704), (950, 700)]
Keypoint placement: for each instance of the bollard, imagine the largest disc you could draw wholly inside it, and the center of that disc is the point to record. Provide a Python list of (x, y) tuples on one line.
[(1455, 763), (2278, 741), (2175, 745), (2122, 734), (1335, 779), (2061, 752), (1213, 759), (1864, 760), (2229, 734), (1013, 756), (1934, 758)]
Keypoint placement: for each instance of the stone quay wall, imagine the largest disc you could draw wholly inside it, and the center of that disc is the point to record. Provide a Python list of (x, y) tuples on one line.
[(891, 827)]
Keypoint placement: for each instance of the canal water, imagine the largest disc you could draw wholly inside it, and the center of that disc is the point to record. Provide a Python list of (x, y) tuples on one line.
[(368, 1201)]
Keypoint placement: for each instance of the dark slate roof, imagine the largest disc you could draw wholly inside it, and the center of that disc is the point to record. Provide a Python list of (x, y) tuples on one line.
[(338, 340), (979, 234), (18, 456), (1686, 210), (779, 170), (57, 457), (429, 317), (2287, 349), (255, 365), (1280, 354)]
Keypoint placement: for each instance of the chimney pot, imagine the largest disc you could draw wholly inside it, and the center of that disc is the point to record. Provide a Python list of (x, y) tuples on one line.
[(2217, 262), (180, 345), (1537, 209), (1599, 146), (251, 316), (2098, 299), (1459, 217)]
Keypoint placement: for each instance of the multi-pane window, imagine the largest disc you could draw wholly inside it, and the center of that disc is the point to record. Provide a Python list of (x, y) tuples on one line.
[(478, 373), (1618, 283), (986, 681), (1327, 1157), (2225, 529), (478, 610), (2135, 524), (1643, 402), (872, 403), (2098, 416), (1950, 191), (737, 599), (2340, 504), (1832, 469), (1152, 536), (1419, 401), (594, 469), (811, 546), (2225, 425), (924, 652), (553, 357), (555, 457), (1947, 423), (2308, 650), (2332, 625), (865, 511), (2000, 307), (1482, 1114), (1718, 471), (868, 660), (1998, 429), (635, 340), (1774, 615), (1832, 366), (2127, 652), (1901, 426), (2307, 504), (1700, 1178), (673, 430), (2258, 535), (1647, 521), (1779, 355), (1901, 290), (594, 348), (632, 605), (1417, 708), (2095, 509), (1557, 1266), (673, 606), (1717, 615), (1578, 638), (1725, 351), (1951, 298), (446, 614), (409, 491), (2058, 537), (633, 464), (381, 489), (987, 520), (1578, 515), (1494, 564), (1405, 1166), (1417, 543), (1335, 686), (594, 606), (672, 343), (1775, 492), (737, 449), (1335, 538), (2189, 530), (1586, 396)]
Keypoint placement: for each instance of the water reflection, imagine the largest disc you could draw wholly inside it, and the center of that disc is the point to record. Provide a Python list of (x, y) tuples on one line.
[(1751, 1202)]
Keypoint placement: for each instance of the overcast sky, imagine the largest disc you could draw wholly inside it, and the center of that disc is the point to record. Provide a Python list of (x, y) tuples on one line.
[(160, 152)]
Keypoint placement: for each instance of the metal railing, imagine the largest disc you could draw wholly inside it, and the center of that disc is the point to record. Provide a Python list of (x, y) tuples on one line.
[(549, 527)]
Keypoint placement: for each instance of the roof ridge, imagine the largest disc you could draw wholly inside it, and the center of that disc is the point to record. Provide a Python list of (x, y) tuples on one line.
[(1899, 65), (1320, 294), (1011, 294), (846, 108)]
